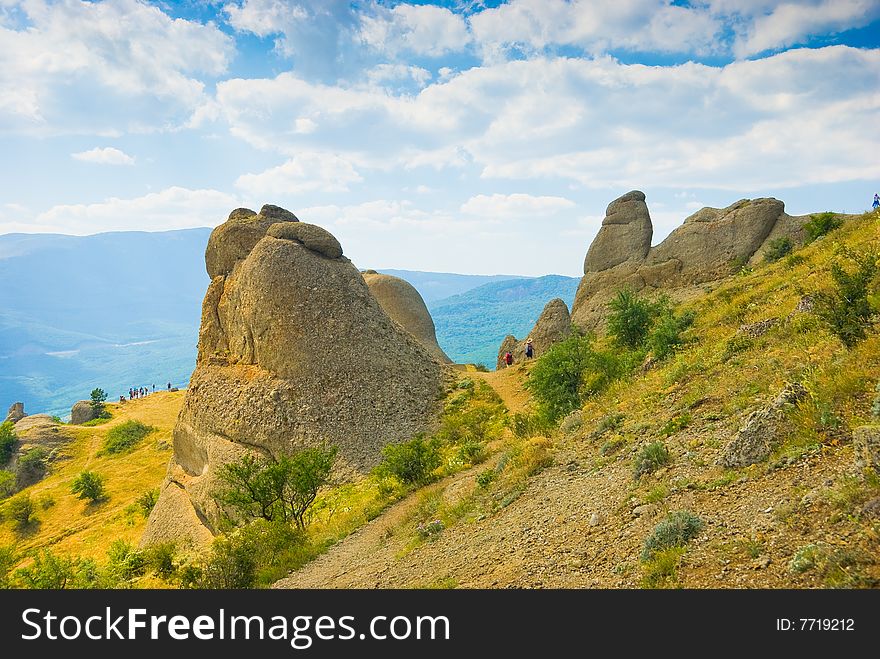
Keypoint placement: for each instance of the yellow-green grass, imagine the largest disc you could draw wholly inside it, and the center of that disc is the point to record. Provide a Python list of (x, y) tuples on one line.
[(72, 526)]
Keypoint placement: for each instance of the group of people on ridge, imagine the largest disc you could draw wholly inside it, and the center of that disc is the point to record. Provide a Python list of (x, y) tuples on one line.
[(530, 352), (140, 392)]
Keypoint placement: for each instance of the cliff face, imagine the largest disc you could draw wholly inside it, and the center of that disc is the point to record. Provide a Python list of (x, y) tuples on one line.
[(704, 248), (293, 351)]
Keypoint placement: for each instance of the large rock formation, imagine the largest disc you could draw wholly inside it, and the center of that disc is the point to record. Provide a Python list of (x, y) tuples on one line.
[(552, 326), (293, 351), (16, 413), (37, 431), (706, 247), (403, 304), (81, 412)]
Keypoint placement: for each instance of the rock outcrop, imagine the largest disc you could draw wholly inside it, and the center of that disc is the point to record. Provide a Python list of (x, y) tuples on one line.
[(294, 351), (81, 412), (762, 431), (866, 447), (706, 247), (403, 304), (36, 431), (552, 326), (16, 413)]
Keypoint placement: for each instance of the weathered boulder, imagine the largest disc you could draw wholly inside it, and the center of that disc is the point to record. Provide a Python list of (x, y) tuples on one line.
[(763, 430), (16, 412), (294, 351), (37, 431), (866, 447), (234, 239), (403, 304), (81, 412), (702, 249), (552, 326), (625, 234)]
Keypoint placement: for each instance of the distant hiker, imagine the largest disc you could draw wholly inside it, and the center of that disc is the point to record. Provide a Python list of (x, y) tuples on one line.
[(169, 386), (876, 203), (529, 350), (122, 399), (130, 393), (508, 358), (154, 388)]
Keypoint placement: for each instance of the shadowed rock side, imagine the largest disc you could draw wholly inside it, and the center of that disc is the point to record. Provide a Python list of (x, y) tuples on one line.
[(403, 304), (16, 413), (704, 248), (293, 351), (552, 326)]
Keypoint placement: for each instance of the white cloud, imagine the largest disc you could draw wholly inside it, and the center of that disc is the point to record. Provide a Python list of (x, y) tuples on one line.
[(104, 66), (419, 29), (499, 206), (790, 23), (106, 156), (800, 117), (398, 72), (306, 172), (172, 208)]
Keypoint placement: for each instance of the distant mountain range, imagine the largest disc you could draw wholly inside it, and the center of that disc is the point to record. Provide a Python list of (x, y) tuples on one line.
[(122, 309)]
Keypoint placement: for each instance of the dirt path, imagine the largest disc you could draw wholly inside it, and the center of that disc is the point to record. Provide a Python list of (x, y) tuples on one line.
[(508, 383)]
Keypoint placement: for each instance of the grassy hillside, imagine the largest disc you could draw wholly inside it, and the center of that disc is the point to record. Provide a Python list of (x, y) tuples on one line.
[(69, 525), (471, 326)]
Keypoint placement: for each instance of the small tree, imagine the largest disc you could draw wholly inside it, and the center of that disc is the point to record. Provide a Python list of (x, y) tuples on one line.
[(89, 485), (22, 509), (846, 309), (50, 572), (99, 396), (821, 224), (7, 441), (282, 489), (8, 560)]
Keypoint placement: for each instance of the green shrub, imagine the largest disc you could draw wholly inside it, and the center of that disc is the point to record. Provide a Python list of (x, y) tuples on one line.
[(147, 501), (650, 458), (777, 248), (676, 424), (21, 510), (794, 260), (50, 571), (846, 309), (482, 368), (630, 319), (7, 441), (8, 560), (612, 446), (411, 462), (32, 465), (821, 224), (232, 564), (124, 436), (665, 336), (7, 483), (526, 425), (280, 489), (661, 569), (89, 485), (485, 477), (124, 564), (674, 531), (160, 558)]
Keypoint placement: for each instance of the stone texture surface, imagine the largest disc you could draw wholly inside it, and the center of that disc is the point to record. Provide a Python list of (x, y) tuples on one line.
[(233, 240), (81, 412), (866, 447), (762, 431), (625, 234), (552, 326), (16, 413), (294, 351), (404, 305)]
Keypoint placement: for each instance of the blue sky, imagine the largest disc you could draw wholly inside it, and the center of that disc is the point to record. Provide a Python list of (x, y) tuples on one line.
[(479, 137)]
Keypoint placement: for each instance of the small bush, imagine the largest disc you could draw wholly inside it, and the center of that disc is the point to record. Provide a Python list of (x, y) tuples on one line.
[(650, 458), (98, 397), (89, 485), (411, 462), (821, 224), (676, 424), (482, 368), (806, 558), (661, 569), (612, 446), (51, 572), (665, 336), (124, 436), (777, 248), (675, 531), (630, 319), (21, 510), (160, 558), (125, 563), (32, 465), (7, 441), (846, 309), (794, 260), (7, 483), (485, 477), (147, 501), (8, 559)]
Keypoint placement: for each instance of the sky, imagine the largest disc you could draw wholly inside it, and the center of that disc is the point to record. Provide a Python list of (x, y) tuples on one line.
[(457, 136)]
